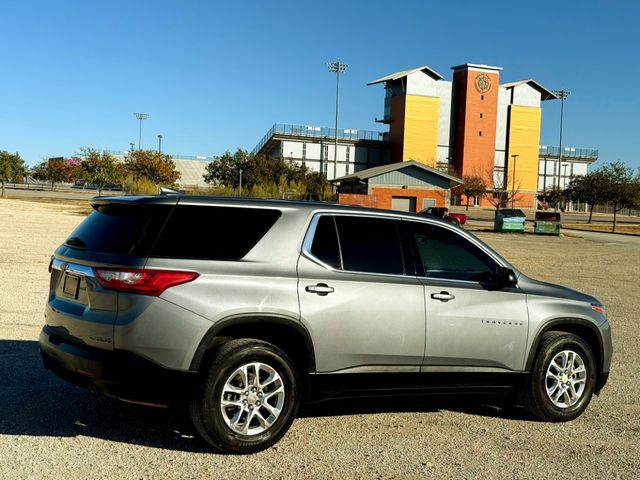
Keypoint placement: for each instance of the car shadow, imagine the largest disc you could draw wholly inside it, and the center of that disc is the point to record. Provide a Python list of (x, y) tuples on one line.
[(36, 402)]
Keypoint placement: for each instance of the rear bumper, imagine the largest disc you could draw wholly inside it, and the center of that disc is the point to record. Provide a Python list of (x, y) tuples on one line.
[(115, 373)]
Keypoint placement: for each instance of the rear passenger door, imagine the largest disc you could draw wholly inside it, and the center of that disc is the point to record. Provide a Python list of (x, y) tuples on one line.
[(359, 298)]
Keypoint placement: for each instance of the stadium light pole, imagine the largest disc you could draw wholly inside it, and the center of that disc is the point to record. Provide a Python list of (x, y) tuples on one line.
[(338, 68), (562, 95), (140, 116)]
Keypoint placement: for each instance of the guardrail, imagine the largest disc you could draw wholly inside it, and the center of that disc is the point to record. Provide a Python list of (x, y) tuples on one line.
[(314, 131), (57, 187), (569, 151), (199, 158)]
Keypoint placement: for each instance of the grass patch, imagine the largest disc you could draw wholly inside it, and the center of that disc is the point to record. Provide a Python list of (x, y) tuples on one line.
[(633, 229)]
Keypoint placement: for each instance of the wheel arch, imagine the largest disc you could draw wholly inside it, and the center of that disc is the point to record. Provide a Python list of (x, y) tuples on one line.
[(584, 329), (284, 332)]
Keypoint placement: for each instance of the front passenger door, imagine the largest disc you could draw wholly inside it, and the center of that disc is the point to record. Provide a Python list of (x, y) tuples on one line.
[(473, 323)]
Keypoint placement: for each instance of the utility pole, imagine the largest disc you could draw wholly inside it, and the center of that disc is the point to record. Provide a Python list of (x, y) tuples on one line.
[(513, 182), (131, 149), (159, 143), (562, 95), (240, 182), (140, 116), (337, 68)]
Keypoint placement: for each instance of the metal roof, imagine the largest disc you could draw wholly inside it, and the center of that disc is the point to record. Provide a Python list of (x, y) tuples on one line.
[(404, 73), (475, 65), (546, 94), (381, 170)]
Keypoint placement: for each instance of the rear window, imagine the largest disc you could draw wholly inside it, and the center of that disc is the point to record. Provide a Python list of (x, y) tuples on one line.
[(213, 233), (359, 244), (370, 245), (120, 229)]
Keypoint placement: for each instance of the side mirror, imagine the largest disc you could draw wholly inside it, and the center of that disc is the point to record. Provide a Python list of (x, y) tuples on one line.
[(507, 277)]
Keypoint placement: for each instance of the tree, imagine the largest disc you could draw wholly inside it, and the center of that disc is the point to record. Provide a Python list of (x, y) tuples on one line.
[(56, 170), (623, 186), (591, 188), (152, 166), (12, 167), (257, 170), (100, 168), (290, 169), (499, 196), (555, 195), (317, 186), (225, 169), (472, 186)]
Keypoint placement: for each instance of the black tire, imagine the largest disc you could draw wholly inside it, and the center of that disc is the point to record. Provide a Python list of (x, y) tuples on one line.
[(455, 221), (205, 404), (535, 397)]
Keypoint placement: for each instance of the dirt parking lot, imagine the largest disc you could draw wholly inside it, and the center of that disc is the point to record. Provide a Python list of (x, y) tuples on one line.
[(49, 429)]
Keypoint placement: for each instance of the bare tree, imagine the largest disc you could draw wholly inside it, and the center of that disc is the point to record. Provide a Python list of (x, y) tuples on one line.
[(499, 196)]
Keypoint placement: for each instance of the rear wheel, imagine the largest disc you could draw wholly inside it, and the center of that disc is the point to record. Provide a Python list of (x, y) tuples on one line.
[(455, 221), (247, 399), (562, 379)]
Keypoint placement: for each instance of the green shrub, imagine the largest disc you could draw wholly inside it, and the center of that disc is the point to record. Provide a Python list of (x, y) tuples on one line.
[(141, 186)]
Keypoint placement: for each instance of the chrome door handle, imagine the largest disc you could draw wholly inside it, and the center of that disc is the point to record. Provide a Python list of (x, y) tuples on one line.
[(443, 296), (321, 289)]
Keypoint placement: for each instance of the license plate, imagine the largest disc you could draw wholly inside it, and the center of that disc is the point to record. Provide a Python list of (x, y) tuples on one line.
[(70, 287)]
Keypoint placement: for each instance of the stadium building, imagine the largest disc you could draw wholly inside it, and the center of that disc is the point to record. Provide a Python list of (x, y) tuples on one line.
[(471, 125)]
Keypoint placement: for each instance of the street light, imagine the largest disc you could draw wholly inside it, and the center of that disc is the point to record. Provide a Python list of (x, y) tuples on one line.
[(140, 116), (562, 95), (159, 143), (513, 183), (337, 68)]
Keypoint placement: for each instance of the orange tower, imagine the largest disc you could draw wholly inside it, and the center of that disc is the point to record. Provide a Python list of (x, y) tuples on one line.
[(475, 100)]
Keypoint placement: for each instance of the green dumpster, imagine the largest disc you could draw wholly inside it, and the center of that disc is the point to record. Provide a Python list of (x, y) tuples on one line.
[(547, 223), (509, 220)]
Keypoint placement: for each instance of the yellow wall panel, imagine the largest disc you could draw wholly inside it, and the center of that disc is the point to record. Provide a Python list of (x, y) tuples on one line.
[(421, 129), (524, 141)]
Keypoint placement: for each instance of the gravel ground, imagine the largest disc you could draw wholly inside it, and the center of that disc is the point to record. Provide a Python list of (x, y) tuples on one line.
[(49, 429)]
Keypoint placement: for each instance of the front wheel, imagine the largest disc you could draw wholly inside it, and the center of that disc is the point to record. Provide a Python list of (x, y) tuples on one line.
[(562, 379), (247, 399)]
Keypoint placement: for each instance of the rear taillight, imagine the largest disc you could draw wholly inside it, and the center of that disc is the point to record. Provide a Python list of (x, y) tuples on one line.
[(144, 282)]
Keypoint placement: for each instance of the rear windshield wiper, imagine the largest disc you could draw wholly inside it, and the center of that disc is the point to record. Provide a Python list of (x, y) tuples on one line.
[(75, 242)]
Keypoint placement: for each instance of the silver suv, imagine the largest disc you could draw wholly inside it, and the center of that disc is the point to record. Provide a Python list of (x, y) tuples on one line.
[(247, 308)]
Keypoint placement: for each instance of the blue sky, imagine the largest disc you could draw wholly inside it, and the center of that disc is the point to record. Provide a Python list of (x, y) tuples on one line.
[(215, 75)]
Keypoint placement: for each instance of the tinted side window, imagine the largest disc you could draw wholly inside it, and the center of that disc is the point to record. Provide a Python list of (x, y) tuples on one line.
[(370, 245), (325, 242), (213, 233), (446, 254)]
